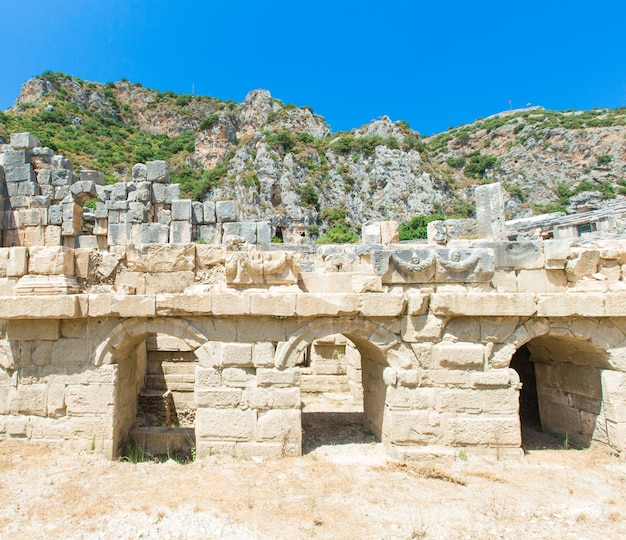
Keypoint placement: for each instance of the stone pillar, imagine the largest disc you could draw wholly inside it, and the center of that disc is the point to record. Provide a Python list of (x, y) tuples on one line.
[(490, 211)]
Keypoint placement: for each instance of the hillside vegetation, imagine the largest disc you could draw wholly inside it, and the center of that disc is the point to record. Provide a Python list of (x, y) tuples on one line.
[(283, 162)]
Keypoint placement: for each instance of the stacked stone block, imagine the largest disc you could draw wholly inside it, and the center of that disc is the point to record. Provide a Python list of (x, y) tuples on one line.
[(245, 406)]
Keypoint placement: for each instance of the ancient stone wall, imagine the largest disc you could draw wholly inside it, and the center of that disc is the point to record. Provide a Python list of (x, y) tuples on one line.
[(446, 336)]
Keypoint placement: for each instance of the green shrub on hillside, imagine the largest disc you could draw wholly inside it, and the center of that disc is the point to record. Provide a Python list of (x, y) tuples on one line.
[(339, 234), (479, 164), (417, 227)]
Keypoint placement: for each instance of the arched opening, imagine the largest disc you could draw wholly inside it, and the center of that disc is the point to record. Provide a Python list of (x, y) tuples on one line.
[(561, 395), (166, 410), (154, 386), (332, 394)]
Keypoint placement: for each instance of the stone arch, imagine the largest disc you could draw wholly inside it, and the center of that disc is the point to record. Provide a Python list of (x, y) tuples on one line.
[(373, 341), (367, 335), (123, 349), (568, 361), (129, 333)]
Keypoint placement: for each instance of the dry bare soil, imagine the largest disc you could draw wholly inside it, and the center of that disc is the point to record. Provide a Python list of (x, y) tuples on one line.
[(336, 490)]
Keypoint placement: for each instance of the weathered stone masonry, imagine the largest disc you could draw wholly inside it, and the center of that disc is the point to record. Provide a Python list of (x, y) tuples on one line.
[(436, 327)]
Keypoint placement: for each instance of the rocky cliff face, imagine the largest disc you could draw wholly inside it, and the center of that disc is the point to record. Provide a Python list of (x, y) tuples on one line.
[(282, 162)]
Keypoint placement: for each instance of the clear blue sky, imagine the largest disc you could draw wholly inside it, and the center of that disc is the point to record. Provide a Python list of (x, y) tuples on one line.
[(434, 64)]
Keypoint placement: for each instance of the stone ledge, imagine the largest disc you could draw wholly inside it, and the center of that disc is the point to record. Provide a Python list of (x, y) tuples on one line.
[(40, 307), (488, 305)]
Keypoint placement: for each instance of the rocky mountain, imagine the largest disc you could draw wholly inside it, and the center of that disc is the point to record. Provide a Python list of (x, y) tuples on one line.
[(283, 162)]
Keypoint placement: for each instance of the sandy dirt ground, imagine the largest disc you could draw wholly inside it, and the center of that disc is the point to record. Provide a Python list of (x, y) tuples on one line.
[(343, 487)]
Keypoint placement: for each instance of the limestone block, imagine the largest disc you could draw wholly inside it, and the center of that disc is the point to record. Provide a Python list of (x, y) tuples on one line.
[(260, 398), (361, 284), (172, 192), (210, 234), (244, 230), (17, 263), (463, 329), (417, 303), (238, 377), (615, 304), (180, 232), (460, 400), (541, 281), (158, 171), (231, 304), (382, 305), (482, 430), (266, 450), (229, 424), (208, 376), (62, 178), (29, 399), (389, 232), (370, 233), (197, 213), (459, 355), (140, 172), (28, 189), (500, 400), (133, 306), (556, 253), (207, 256), (234, 354), (161, 257), (421, 328), (310, 304), (492, 378), (278, 377), (51, 260), (408, 377), (218, 398), (497, 329), (52, 236), (490, 211), (55, 403), (39, 307), (226, 211), (263, 354), (168, 282), (130, 282), (584, 265), (24, 141), (14, 158), (414, 427), (119, 234), (209, 212), (16, 426), (403, 397), (20, 173), (89, 399), (74, 351), (105, 374), (516, 255), (286, 398), (32, 329), (402, 357), (568, 304), (279, 425), (501, 355), (42, 352), (278, 305), (611, 269), (183, 304), (489, 305), (423, 354), (181, 210)]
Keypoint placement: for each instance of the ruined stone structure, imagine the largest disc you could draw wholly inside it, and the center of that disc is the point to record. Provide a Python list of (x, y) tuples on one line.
[(216, 334)]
